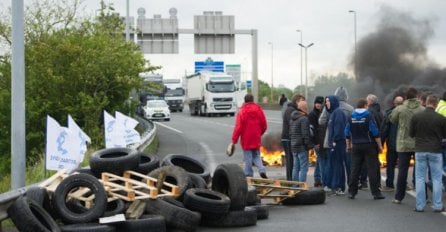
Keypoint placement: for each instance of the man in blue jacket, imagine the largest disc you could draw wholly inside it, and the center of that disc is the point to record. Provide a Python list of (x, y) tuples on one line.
[(361, 134)]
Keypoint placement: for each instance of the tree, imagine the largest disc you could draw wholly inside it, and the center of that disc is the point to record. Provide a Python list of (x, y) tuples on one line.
[(73, 66)]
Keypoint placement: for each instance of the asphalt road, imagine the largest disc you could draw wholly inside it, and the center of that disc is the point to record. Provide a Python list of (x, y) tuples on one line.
[(206, 138)]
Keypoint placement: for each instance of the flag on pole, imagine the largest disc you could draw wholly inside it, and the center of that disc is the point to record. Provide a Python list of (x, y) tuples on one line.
[(130, 134), (61, 151), (80, 137), (113, 132)]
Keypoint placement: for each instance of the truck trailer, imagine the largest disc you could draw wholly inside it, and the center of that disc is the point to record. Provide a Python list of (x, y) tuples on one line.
[(209, 93)]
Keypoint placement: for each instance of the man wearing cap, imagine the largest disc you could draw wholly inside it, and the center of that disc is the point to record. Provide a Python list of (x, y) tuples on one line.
[(320, 172)]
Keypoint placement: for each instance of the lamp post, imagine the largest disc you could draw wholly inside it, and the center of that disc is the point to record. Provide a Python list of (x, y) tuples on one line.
[(306, 67), (272, 69), (127, 22), (354, 24), (301, 59)]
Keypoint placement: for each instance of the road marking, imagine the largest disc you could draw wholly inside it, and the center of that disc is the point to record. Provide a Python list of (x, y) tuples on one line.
[(275, 121), (168, 127), (208, 152)]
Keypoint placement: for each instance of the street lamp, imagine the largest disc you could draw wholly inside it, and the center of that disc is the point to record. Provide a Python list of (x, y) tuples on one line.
[(272, 68), (306, 68), (354, 21), (127, 22), (301, 59)]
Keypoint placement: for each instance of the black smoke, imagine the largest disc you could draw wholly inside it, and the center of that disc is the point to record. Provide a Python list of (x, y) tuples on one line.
[(394, 56)]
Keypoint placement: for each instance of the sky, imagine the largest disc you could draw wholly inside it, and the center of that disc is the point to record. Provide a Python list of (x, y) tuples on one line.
[(326, 23)]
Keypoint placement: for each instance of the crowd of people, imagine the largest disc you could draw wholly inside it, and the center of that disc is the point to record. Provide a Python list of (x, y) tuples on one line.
[(347, 141)]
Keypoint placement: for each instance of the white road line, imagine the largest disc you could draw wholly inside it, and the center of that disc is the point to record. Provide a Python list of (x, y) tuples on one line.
[(208, 152), (275, 121), (168, 127)]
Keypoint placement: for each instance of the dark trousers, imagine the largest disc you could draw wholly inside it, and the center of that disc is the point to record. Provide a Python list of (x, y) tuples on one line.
[(364, 153), (403, 168), (391, 157), (286, 144)]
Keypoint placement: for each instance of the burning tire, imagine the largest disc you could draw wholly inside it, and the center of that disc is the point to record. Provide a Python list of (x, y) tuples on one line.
[(176, 217), (114, 160), (29, 216), (189, 164), (71, 184), (230, 180), (309, 197), (238, 218)]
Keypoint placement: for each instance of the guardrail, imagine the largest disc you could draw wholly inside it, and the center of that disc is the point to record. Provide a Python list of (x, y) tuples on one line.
[(7, 198)]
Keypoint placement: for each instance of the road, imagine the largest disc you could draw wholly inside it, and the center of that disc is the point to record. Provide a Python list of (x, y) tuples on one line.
[(206, 138)]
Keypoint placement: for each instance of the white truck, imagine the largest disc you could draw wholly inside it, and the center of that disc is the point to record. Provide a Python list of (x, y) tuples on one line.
[(174, 94), (209, 93)]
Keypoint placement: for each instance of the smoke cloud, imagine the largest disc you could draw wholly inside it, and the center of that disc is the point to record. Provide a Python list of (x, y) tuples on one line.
[(394, 56)]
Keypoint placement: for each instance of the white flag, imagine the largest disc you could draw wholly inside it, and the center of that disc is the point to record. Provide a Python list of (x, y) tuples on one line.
[(80, 137), (61, 151), (113, 132), (129, 133)]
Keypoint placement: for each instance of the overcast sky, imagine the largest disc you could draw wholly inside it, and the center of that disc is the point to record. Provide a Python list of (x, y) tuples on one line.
[(326, 23)]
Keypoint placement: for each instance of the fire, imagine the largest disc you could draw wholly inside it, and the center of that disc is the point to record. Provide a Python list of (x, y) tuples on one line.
[(383, 160), (272, 158)]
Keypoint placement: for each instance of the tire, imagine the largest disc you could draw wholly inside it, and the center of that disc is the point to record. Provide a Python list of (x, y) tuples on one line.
[(84, 170), (261, 210), (310, 197), (189, 164), (71, 183), (174, 175), (237, 218), (197, 181), (206, 201), (37, 194), (114, 207), (147, 163), (29, 216), (88, 227), (251, 196), (176, 217), (152, 223), (113, 160), (230, 180)]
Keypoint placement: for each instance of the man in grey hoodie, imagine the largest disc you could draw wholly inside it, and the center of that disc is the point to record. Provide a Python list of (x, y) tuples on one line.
[(342, 94)]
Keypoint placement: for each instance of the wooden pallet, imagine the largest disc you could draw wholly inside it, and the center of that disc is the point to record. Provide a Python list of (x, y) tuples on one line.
[(130, 189), (277, 190)]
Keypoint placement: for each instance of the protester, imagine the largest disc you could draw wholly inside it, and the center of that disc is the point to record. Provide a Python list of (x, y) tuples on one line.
[(428, 128), (336, 142), (300, 141), (375, 112), (292, 106), (441, 109), (405, 145), (360, 129), (250, 126), (388, 136), (282, 99), (320, 171)]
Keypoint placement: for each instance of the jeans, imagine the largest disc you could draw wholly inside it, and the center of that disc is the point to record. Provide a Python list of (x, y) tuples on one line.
[(403, 168), (252, 157), (435, 162), (337, 170), (288, 158), (300, 167), (391, 157)]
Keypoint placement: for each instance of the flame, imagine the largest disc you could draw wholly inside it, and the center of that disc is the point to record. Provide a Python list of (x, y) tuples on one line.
[(383, 160), (272, 158)]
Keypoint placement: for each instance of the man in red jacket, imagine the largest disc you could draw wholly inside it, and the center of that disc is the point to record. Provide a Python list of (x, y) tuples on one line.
[(250, 126)]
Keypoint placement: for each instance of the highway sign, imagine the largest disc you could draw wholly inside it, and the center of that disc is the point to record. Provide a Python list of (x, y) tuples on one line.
[(209, 65)]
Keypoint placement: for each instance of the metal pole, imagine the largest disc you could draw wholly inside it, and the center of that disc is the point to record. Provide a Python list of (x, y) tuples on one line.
[(127, 33), (272, 69), (255, 82), (355, 56), (306, 65), (18, 142), (301, 59)]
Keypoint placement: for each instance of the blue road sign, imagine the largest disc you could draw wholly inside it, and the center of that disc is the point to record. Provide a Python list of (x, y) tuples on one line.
[(209, 65), (248, 84)]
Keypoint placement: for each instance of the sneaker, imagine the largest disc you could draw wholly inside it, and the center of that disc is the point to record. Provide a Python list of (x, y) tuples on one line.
[(327, 189), (395, 201), (363, 186), (418, 210), (339, 192), (439, 210), (408, 188), (263, 175), (379, 197), (387, 189)]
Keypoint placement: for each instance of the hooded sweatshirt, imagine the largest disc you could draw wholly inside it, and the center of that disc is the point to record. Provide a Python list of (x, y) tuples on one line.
[(249, 126), (336, 122), (361, 128)]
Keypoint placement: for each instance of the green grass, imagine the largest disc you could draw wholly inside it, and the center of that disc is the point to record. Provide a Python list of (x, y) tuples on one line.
[(153, 147)]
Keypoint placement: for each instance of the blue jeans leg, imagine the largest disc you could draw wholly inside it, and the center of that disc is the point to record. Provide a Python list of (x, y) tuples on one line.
[(300, 167), (257, 160), (247, 158), (420, 179), (435, 161)]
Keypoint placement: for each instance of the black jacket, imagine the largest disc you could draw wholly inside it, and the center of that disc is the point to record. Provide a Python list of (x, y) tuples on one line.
[(286, 120), (428, 128), (300, 132), (319, 131)]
